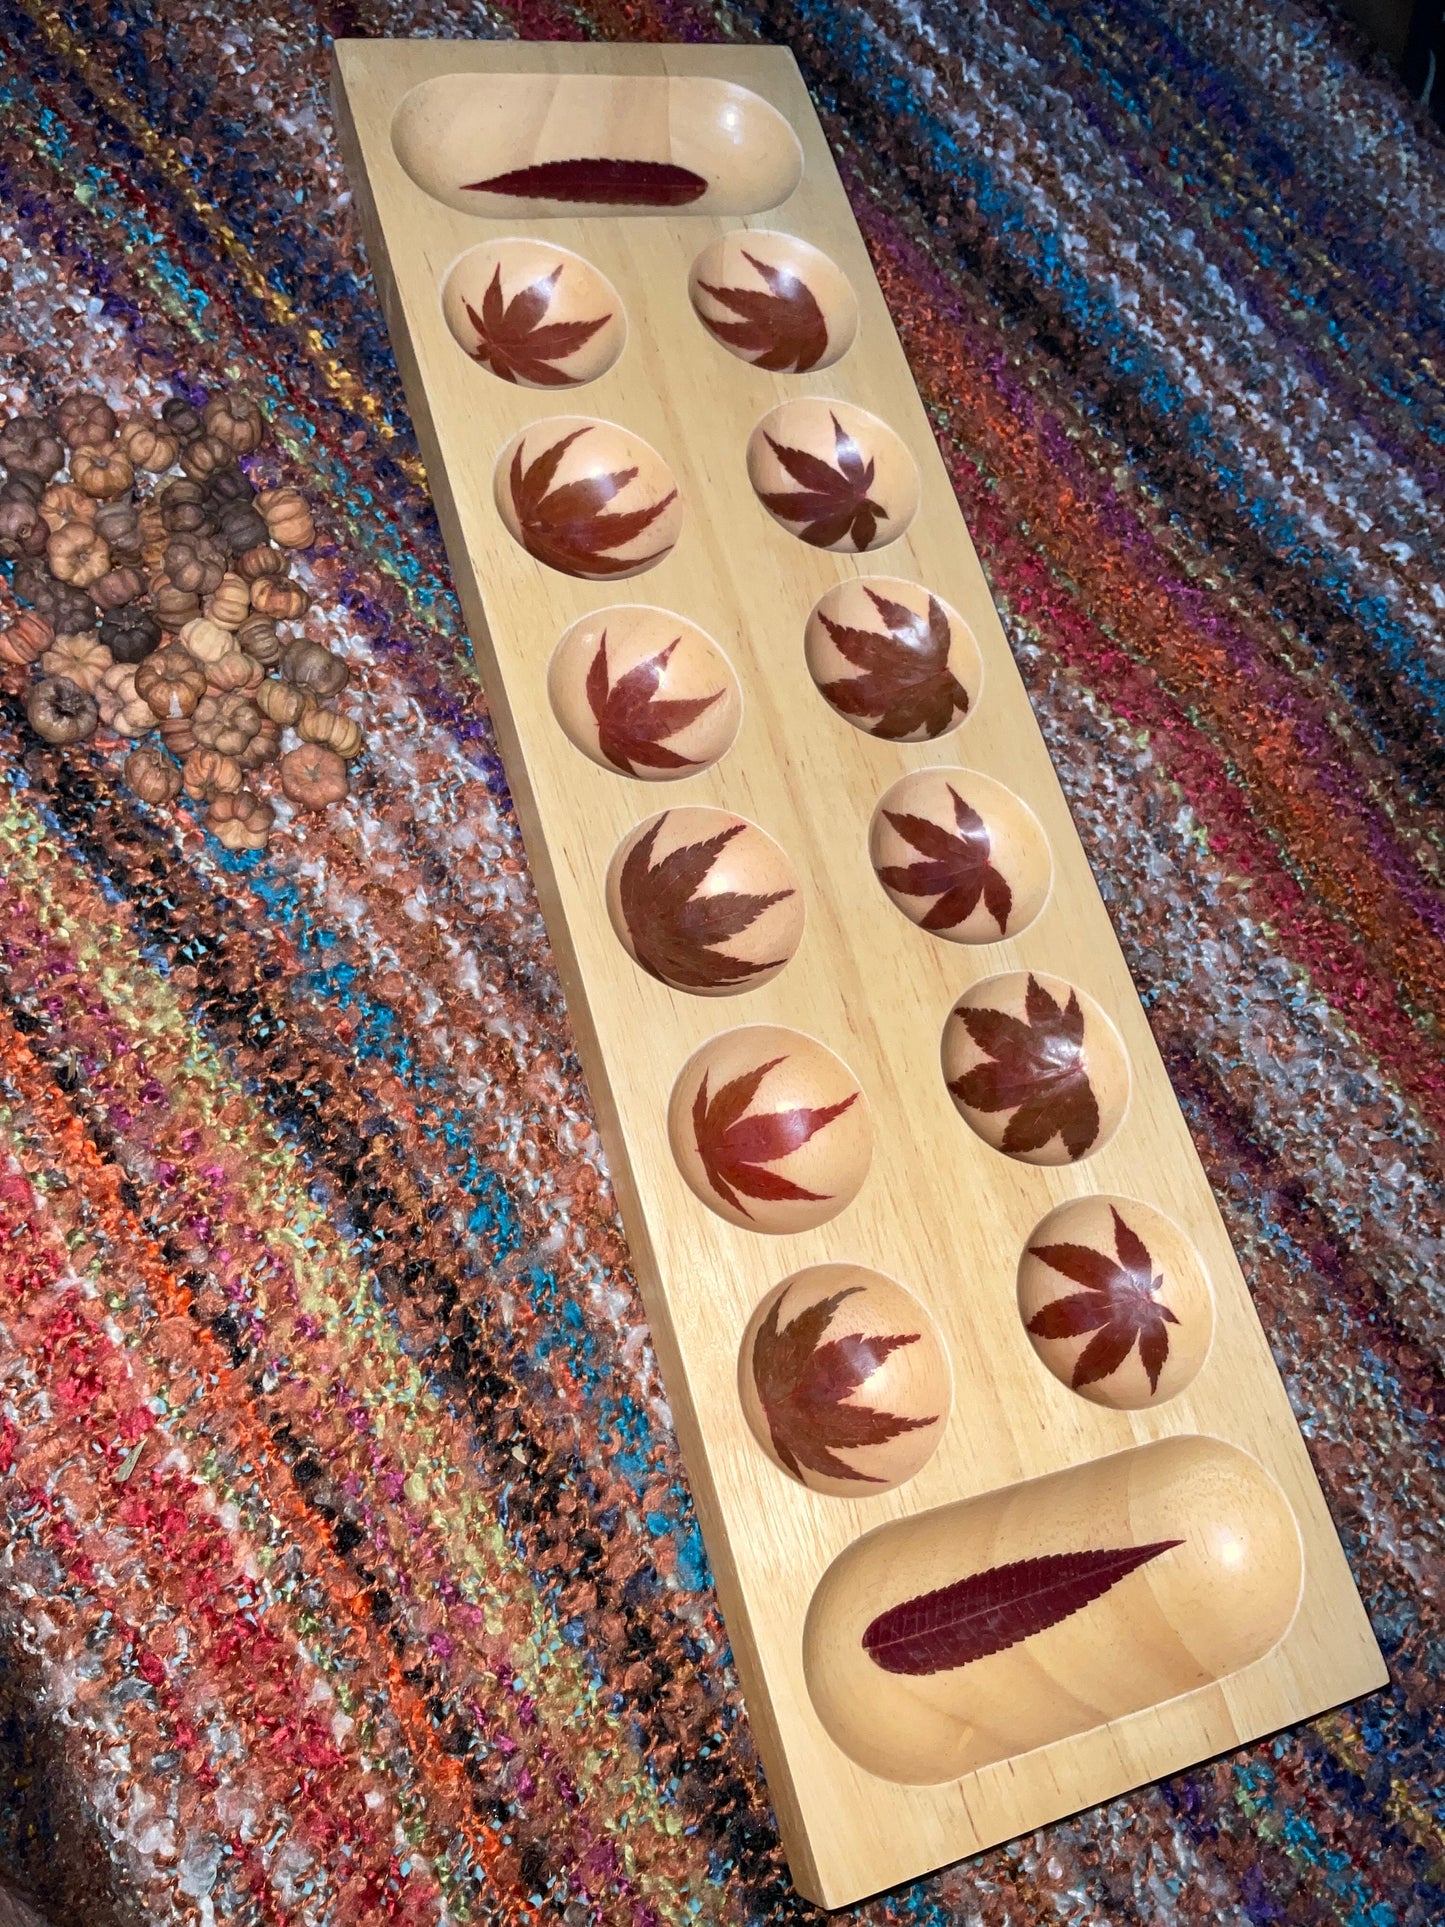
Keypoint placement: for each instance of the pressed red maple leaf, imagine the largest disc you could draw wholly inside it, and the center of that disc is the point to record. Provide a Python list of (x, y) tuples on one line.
[(602, 182), (736, 1149), (803, 1384), (831, 500), (781, 329), (674, 931), (992, 1610), (511, 340), (631, 724), (955, 867), (906, 685), (1117, 1304), (1036, 1071), (566, 527)]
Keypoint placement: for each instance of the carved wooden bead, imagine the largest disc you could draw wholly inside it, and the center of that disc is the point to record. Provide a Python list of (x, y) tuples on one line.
[(282, 702), (234, 670), (152, 775), (207, 641), (175, 606), (176, 735), (279, 597), (251, 564), (181, 419), (119, 522), (229, 602), (313, 776), (77, 555), (264, 747), (67, 609), (208, 773), (225, 722), (148, 444), (287, 517), (131, 634), (171, 681), (117, 587), (240, 527), (23, 529), (85, 421), (184, 508), (121, 709), (234, 420), (195, 563), (313, 667), (153, 535), (83, 659), (28, 446), (26, 639), (63, 502), (60, 711), (102, 472), (229, 485), (240, 820), (261, 640), (203, 456), (332, 731)]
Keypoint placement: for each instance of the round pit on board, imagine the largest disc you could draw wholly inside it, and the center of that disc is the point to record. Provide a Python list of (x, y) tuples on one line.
[(588, 498), (893, 659), (644, 692), (774, 301), (1116, 1302), (770, 1129), (844, 1380), (833, 475), (1035, 1068), (534, 314), (960, 855), (704, 901)]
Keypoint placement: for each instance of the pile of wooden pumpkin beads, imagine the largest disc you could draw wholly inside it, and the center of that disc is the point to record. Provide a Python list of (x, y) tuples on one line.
[(159, 615)]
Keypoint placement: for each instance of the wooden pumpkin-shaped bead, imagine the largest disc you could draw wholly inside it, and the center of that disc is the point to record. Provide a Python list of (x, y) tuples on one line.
[(61, 712), (209, 773), (85, 421), (119, 523), (282, 702), (173, 605), (313, 777), (82, 658), (23, 530), (77, 555), (234, 420), (26, 639), (148, 444), (131, 634), (102, 472), (264, 559), (264, 747), (181, 419), (241, 820), (68, 610), (235, 670), (171, 681), (279, 597), (63, 502), (313, 668), (226, 723), (153, 536), (176, 735), (287, 517), (195, 563), (260, 639), (332, 731), (207, 641), (28, 446), (229, 602), (121, 709), (240, 527), (184, 508), (152, 775), (202, 457), (117, 587)]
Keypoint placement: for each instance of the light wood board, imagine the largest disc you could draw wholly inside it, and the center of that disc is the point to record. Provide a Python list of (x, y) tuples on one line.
[(940, 1210)]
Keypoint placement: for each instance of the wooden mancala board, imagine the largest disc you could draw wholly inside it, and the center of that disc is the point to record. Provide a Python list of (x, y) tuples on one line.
[(1006, 1504)]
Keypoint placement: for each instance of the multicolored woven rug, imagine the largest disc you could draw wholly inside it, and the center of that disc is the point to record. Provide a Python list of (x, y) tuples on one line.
[(401, 1613)]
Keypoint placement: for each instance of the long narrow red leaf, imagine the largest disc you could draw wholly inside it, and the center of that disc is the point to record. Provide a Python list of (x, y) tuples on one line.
[(992, 1610), (601, 182)]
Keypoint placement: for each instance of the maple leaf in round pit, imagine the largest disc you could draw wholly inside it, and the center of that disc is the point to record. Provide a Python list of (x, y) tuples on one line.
[(893, 659), (513, 341), (774, 301), (960, 855), (533, 314), (770, 1129), (1037, 1070), (588, 499), (704, 901), (644, 693), (843, 1380), (832, 475), (779, 327), (1115, 1300)]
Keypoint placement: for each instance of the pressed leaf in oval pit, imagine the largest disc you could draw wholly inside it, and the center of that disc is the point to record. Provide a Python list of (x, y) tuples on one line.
[(602, 182), (955, 867), (737, 1149), (1117, 1304), (1037, 1072), (906, 686), (631, 722), (512, 341), (673, 930), (805, 1381), (779, 327), (832, 500), (993, 1610), (566, 527)]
